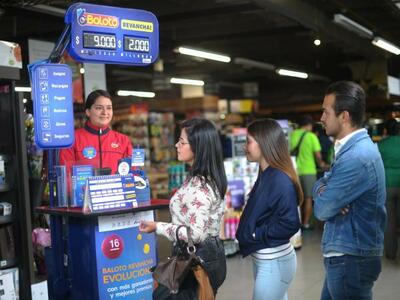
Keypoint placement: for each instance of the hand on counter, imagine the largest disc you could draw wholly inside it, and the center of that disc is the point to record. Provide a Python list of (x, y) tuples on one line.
[(147, 226)]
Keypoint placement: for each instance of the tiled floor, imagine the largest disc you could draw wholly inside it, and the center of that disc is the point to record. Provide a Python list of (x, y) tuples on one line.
[(309, 277)]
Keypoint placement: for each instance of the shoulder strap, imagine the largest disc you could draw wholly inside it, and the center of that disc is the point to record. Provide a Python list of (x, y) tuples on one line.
[(301, 140), (191, 248)]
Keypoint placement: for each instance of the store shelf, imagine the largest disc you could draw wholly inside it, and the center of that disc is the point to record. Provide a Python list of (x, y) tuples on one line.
[(158, 176), (8, 263), (4, 220), (5, 188)]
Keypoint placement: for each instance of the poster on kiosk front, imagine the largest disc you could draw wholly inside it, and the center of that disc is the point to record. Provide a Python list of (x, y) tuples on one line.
[(123, 270)]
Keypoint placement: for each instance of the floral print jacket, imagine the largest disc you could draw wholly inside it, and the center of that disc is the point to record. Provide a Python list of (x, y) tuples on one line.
[(196, 205)]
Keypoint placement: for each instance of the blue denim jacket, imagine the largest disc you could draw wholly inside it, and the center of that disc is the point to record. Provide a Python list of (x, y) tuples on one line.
[(357, 180)]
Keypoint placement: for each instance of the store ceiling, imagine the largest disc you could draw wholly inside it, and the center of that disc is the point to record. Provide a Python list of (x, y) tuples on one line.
[(275, 32)]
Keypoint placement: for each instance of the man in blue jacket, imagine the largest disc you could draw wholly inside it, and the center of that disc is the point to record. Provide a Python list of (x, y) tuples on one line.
[(350, 198)]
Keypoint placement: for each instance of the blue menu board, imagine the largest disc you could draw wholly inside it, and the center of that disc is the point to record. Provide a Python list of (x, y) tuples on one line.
[(114, 35), (53, 108)]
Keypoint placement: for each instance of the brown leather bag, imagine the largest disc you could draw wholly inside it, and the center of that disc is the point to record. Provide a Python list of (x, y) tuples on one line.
[(172, 272), (205, 290)]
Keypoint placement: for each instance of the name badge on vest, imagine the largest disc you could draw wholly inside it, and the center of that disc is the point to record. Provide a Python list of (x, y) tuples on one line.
[(89, 152)]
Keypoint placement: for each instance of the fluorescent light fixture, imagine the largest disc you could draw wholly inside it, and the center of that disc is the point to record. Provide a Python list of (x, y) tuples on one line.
[(204, 54), (186, 81), (254, 64), (291, 73), (23, 89), (352, 25), (136, 93), (381, 43), (51, 10)]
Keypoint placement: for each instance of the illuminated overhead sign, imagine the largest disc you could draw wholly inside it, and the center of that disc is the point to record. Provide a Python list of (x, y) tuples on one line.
[(113, 35)]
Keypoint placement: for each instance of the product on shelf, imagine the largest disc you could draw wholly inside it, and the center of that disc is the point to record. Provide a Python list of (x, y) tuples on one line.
[(177, 175), (135, 126), (3, 172), (241, 176), (162, 128), (9, 284), (7, 247)]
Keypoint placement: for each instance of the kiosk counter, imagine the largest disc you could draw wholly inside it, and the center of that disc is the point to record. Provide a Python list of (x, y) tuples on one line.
[(103, 254)]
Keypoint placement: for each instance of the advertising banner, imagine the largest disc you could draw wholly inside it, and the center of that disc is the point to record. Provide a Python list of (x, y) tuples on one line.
[(124, 257)]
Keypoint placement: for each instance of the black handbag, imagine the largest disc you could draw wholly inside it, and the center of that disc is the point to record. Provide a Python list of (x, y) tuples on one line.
[(172, 272)]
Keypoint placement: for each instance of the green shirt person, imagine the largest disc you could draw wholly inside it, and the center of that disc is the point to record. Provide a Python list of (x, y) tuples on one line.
[(307, 160)]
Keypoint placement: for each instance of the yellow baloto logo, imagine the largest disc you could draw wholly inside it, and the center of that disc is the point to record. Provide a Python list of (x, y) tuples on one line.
[(101, 20), (136, 25)]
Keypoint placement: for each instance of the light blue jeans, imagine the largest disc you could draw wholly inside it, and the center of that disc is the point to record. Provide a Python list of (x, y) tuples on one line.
[(273, 276)]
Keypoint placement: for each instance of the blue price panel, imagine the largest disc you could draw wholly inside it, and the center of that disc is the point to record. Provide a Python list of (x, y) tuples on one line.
[(53, 108), (114, 35)]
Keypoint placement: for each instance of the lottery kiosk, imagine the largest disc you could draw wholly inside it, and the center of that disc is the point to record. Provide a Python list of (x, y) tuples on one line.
[(97, 251)]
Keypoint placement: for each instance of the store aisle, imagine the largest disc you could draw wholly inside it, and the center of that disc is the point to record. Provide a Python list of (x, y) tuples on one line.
[(309, 277)]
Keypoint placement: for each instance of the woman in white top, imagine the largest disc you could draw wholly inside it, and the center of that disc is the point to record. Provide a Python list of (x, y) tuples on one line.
[(198, 204)]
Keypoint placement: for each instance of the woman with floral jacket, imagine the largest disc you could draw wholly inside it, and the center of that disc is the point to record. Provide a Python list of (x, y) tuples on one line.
[(198, 204)]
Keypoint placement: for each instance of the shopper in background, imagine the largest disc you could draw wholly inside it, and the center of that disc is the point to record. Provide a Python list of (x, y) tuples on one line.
[(309, 155), (96, 144), (389, 148), (270, 217), (198, 203), (350, 198), (325, 142)]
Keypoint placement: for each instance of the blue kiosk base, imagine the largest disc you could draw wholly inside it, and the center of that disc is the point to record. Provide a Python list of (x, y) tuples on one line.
[(101, 255)]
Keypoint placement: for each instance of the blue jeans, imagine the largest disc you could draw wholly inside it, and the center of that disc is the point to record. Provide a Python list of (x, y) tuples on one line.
[(350, 277), (273, 276)]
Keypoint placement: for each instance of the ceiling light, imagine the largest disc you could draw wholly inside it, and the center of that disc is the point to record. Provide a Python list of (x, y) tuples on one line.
[(82, 70), (317, 42), (186, 81), (254, 64), (291, 73), (23, 89), (352, 25), (381, 43), (136, 93), (204, 54), (47, 9)]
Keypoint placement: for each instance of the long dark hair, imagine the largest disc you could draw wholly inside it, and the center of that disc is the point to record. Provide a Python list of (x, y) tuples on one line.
[(275, 150), (206, 145)]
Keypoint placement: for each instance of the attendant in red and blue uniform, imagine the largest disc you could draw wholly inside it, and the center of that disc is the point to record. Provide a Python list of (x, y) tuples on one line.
[(270, 217), (97, 144)]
